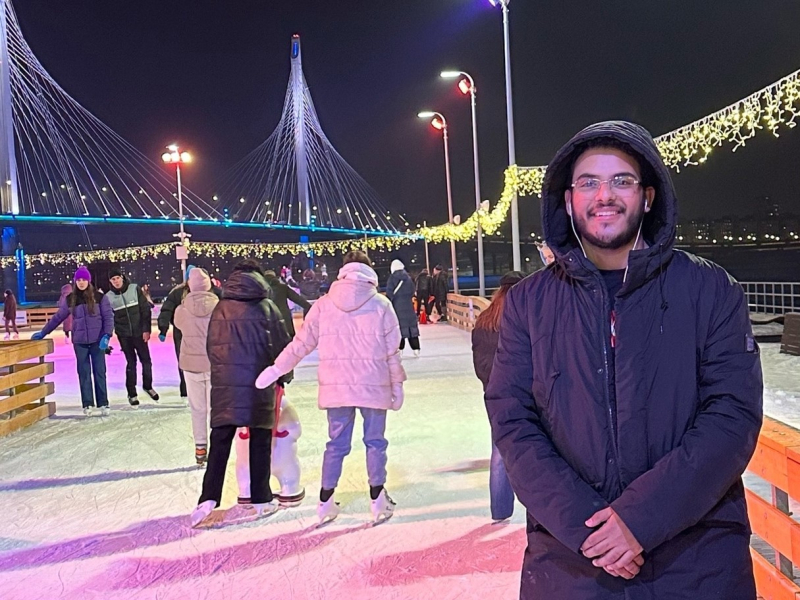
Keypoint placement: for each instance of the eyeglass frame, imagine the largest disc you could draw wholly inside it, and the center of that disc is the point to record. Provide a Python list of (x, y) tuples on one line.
[(573, 185)]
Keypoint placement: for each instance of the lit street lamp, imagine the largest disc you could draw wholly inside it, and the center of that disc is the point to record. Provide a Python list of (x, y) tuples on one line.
[(512, 152), (467, 86), (439, 122), (178, 158)]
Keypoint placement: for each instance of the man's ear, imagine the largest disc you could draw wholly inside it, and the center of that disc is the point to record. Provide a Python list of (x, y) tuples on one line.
[(649, 198), (568, 201)]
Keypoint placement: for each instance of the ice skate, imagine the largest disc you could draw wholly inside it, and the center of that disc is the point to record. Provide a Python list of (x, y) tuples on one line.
[(133, 401), (87, 411), (6, 337), (153, 395), (200, 455), (246, 513), (290, 501), (202, 512), (416, 353), (15, 336), (327, 511), (382, 508), (105, 411)]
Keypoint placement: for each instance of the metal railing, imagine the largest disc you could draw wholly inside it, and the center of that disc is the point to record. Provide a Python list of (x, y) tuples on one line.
[(773, 298)]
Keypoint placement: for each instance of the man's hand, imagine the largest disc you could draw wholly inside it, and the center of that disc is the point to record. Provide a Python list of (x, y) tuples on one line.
[(146, 336), (612, 547)]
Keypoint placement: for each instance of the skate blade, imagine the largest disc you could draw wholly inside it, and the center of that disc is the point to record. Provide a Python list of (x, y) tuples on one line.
[(381, 519), (212, 521), (326, 521), (240, 514)]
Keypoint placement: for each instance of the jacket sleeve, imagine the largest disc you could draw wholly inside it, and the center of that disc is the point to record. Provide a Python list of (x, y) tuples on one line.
[(551, 490), (145, 313), (480, 358), (391, 283), (690, 480), (61, 315), (299, 300), (303, 344), (180, 319), (391, 333), (168, 310), (107, 315)]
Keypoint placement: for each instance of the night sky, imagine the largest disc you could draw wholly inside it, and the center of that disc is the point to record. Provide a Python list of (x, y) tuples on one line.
[(212, 75)]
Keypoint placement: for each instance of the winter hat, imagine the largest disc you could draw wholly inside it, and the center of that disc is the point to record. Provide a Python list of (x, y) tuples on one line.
[(188, 270), (114, 272), (511, 278), (83, 273), (199, 281), (397, 266)]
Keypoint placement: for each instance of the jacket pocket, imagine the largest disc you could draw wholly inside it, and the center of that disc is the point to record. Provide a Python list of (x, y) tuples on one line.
[(543, 389)]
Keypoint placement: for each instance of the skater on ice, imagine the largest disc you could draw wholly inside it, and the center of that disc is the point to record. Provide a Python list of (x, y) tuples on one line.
[(93, 324), (10, 314), (626, 393), (245, 335), (400, 290), (192, 318), (357, 335), (132, 325)]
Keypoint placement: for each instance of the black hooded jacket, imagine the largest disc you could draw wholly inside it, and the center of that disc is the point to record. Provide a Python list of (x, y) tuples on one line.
[(245, 334), (132, 314), (669, 454)]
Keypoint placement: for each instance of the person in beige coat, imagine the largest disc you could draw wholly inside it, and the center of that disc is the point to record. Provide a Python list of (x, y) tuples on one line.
[(192, 318), (357, 335)]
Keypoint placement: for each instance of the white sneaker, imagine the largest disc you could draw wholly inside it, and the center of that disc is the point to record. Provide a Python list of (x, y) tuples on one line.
[(382, 507), (416, 353), (202, 512), (15, 336), (105, 411), (6, 337), (87, 412), (327, 511)]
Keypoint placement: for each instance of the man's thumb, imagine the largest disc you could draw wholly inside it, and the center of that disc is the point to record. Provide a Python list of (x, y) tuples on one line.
[(601, 516)]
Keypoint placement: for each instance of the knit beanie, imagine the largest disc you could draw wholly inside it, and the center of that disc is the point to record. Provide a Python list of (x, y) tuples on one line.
[(83, 273), (397, 266), (199, 281), (114, 272)]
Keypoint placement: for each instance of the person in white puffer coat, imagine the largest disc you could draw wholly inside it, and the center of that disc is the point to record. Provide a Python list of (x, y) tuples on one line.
[(357, 335)]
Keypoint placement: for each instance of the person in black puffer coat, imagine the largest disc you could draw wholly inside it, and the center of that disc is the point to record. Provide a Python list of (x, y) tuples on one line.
[(245, 335), (400, 290)]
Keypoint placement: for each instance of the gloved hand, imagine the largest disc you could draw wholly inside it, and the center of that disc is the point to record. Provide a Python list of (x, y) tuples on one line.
[(109, 350), (38, 336), (162, 337), (104, 342), (267, 377), (397, 396)]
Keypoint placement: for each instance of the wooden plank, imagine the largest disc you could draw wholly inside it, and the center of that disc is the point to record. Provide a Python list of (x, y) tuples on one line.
[(770, 464), (27, 393), (793, 472), (790, 340), (774, 527), (15, 352), (770, 583), (25, 372), (27, 417), (778, 435)]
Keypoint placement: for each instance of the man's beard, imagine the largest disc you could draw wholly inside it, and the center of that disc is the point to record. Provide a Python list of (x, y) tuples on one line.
[(622, 239)]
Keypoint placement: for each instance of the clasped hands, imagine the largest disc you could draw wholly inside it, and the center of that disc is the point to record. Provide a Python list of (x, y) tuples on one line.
[(613, 547)]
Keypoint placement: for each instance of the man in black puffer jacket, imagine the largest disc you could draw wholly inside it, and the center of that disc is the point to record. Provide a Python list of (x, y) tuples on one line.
[(245, 335)]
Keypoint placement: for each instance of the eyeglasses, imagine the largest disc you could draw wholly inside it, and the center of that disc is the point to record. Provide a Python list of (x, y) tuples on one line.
[(621, 184)]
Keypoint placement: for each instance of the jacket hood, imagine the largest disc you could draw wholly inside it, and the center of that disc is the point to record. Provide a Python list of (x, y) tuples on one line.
[(246, 286), (200, 304), (357, 283), (658, 229), (397, 266)]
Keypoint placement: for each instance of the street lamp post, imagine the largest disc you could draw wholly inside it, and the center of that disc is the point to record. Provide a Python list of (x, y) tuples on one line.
[(176, 157), (467, 86), (512, 151), (439, 122)]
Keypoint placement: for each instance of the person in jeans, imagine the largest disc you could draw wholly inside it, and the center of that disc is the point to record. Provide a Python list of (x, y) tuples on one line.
[(357, 335), (132, 326), (93, 324), (192, 318), (484, 347), (245, 334)]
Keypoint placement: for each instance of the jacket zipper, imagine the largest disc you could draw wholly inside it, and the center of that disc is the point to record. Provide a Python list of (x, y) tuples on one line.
[(606, 335)]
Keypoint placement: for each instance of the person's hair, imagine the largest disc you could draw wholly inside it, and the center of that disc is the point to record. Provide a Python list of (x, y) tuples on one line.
[(308, 275), (89, 299), (646, 171), (9, 293), (249, 265), (490, 317), (357, 256)]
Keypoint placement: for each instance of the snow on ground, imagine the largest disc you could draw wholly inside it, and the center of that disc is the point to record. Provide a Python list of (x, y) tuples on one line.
[(97, 507)]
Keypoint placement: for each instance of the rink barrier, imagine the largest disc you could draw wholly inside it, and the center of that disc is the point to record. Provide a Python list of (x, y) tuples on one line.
[(23, 388), (790, 340), (777, 461), (462, 311)]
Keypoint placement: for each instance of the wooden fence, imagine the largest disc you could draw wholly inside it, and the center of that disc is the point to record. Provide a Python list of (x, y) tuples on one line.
[(463, 310), (23, 388), (776, 460)]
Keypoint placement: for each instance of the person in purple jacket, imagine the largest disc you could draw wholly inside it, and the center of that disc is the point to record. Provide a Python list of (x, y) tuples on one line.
[(92, 326)]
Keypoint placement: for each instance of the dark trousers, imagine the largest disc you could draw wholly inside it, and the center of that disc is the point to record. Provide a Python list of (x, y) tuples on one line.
[(218, 455), (176, 339), (91, 360), (441, 307), (131, 347), (413, 342)]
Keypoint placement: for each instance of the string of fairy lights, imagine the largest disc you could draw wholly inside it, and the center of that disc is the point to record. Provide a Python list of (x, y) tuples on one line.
[(769, 109)]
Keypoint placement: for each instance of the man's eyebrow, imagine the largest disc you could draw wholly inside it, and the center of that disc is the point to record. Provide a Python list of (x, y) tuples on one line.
[(620, 174)]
